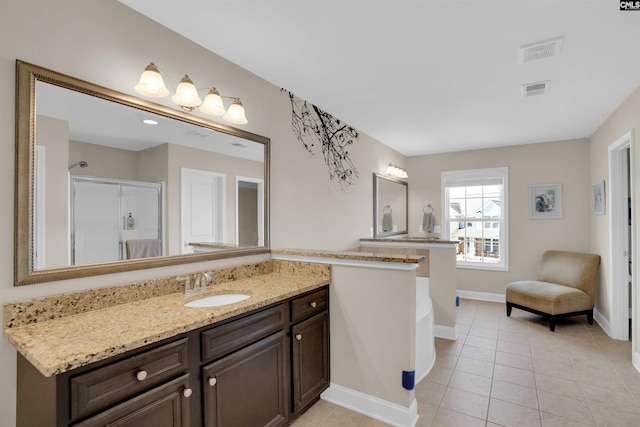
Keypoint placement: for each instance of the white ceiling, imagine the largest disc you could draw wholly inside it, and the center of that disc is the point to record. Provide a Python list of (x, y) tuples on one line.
[(428, 76)]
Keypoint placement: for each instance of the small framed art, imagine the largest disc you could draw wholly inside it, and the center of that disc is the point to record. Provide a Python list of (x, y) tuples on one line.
[(545, 201), (598, 198)]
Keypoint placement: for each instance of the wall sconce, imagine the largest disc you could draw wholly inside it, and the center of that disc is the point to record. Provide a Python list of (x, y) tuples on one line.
[(152, 84), (396, 171)]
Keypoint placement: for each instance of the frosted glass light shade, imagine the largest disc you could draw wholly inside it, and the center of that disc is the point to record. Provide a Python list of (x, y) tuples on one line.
[(186, 94), (212, 104), (235, 113), (396, 171), (151, 83)]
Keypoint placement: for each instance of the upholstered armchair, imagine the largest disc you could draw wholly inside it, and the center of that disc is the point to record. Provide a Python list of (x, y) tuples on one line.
[(565, 287)]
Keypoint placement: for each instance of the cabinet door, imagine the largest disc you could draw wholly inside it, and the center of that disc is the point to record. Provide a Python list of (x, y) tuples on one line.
[(310, 358), (164, 406), (248, 388)]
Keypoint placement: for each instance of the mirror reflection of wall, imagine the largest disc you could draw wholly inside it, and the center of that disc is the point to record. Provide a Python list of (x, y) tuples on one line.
[(73, 144), (390, 206)]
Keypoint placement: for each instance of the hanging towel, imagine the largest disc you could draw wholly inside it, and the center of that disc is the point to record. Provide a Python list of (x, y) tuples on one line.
[(387, 223), (428, 222), (143, 248)]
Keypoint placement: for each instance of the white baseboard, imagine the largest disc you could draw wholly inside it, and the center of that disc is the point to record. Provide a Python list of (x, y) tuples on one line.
[(481, 296), (446, 332), (388, 412), (636, 360), (604, 323)]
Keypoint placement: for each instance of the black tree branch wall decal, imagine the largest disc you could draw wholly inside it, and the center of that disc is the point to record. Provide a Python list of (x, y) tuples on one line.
[(312, 126)]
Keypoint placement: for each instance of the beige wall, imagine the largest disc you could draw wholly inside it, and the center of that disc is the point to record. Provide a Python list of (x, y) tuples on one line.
[(370, 322), (192, 158), (565, 162), (626, 118), (104, 162)]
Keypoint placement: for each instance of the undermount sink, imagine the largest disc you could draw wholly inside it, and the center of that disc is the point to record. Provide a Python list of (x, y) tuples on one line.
[(217, 300)]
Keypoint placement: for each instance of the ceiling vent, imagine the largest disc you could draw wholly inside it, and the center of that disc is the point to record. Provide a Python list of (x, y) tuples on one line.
[(539, 50), (533, 89)]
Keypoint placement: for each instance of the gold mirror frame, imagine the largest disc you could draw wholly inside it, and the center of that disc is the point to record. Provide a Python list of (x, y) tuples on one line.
[(26, 76)]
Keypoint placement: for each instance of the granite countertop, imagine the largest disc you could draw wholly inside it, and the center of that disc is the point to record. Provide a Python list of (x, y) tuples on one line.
[(358, 256), (68, 342)]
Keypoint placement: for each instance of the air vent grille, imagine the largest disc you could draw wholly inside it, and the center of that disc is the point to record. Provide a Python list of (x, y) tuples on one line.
[(539, 50), (533, 89)]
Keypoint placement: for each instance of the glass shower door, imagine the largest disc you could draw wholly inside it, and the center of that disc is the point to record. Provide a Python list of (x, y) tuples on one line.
[(106, 215), (95, 231)]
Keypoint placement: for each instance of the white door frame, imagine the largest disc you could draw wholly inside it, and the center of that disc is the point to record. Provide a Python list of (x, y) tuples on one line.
[(619, 189), (260, 183), (39, 207)]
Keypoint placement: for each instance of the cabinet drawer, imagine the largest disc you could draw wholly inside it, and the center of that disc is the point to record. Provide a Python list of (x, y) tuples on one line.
[(231, 336), (308, 305), (165, 405), (97, 389)]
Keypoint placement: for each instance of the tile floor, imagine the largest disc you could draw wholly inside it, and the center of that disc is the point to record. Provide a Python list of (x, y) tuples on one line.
[(514, 372)]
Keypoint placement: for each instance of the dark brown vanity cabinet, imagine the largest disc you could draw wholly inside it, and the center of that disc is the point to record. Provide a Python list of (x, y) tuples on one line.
[(150, 388), (258, 369), (309, 348)]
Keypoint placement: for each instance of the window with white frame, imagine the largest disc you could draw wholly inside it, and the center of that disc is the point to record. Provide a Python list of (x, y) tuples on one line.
[(475, 215)]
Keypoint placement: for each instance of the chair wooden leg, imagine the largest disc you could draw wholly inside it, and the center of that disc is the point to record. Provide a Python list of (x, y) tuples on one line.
[(590, 317), (552, 324), (509, 307)]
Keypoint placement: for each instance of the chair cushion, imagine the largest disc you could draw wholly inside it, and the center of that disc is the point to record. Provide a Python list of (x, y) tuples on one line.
[(549, 298)]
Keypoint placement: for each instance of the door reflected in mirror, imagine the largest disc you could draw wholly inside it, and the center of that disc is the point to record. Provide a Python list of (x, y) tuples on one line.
[(116, 178)]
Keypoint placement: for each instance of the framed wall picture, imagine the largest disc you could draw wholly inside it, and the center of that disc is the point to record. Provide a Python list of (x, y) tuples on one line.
[(598, 198), (545, 201)]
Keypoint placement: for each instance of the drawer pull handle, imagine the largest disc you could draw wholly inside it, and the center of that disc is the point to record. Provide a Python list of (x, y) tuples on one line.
[(312, 304), (212, 381), (187, 392), (299, 337), (141, 375)]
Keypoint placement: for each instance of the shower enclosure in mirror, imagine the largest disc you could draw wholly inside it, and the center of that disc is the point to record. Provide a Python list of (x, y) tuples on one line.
[(108, 182), (390, 206)]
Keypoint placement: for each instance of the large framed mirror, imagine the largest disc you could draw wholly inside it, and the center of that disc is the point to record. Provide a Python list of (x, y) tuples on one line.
[(390, 206), (107, 182)]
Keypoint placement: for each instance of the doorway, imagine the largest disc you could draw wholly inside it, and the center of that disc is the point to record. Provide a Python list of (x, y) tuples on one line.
[(249, 211), (622, 289)]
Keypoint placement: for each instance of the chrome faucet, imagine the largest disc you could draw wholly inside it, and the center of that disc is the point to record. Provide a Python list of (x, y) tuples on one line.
[(188, 286), (202, 280), (196, 283)]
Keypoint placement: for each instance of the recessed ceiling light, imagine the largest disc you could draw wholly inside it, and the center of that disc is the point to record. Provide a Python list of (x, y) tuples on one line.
[(149, 122)]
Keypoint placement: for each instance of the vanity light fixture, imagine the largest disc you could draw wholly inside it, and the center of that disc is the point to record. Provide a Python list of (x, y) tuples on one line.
[(152, 84), (396, 171)]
